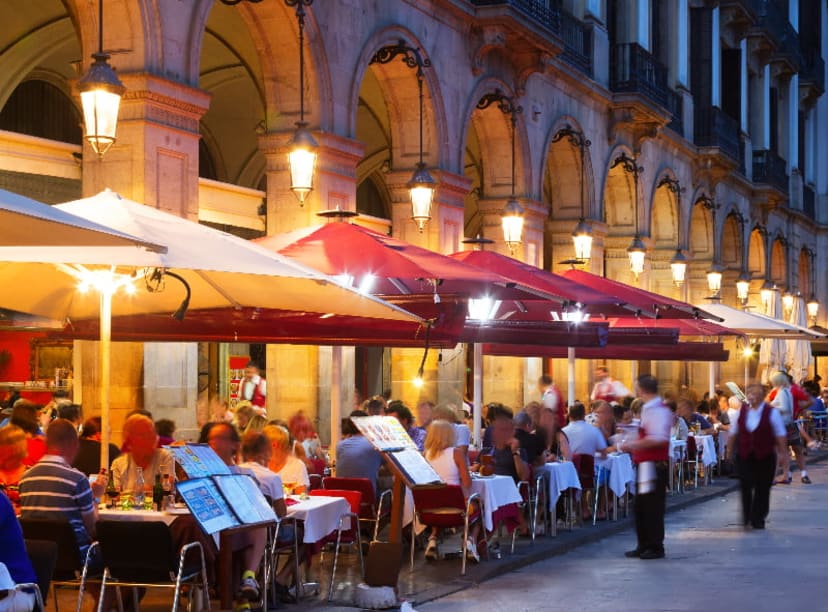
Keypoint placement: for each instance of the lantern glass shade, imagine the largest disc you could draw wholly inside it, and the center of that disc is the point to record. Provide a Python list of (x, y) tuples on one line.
[(512, 221), (421, 189), (766, 294), (788, 301), (813, 307), (678, 267), (100, 91), (302, 161), (742, 288), (714, 280), (637, 253), (582, 238)]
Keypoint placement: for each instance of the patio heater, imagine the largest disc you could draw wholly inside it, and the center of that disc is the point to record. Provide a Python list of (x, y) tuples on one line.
[(512, 215), (422, 185), (637, 252), (100, 92), (582, 236)]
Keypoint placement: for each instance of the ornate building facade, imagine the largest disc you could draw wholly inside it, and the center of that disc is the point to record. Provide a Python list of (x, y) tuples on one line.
[(719, 103)]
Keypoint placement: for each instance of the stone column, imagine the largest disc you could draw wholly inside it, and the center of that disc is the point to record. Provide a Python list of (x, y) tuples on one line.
[(155, 162), (299, 376), (444, 380)]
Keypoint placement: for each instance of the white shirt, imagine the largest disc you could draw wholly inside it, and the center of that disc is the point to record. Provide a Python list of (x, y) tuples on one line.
[(269, 481), (446, 467), (584, 439), (462, 434), (294, 471), (656, 420), (783, 402), (549, 398), (608, 386), (754, 417)]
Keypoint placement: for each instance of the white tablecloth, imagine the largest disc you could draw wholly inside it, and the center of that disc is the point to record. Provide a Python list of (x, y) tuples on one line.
[(109, 514), (722, 439), (677, 448), (495, 491), (320, 514), (707, 444), (621, 472), (560, 476)]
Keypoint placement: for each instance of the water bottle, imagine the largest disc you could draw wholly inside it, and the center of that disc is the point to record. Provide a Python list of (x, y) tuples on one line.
[(138, 492)]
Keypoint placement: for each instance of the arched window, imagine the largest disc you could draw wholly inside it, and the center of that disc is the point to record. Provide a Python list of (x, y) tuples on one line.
[(38, 108)]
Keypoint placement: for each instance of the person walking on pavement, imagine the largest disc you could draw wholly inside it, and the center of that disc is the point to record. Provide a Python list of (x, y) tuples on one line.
[(758, 435), (651, 452)]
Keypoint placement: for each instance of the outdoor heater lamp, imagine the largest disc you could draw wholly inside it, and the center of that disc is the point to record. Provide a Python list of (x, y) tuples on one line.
[(678, 267), (303, 147), (100, 92)]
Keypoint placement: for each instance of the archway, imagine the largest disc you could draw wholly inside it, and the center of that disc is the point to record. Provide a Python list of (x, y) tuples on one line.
[(731, 256), (778, 263), (805, 286), (664, 233)]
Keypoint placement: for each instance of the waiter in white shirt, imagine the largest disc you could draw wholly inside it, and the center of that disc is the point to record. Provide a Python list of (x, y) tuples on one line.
[(253, 388), (651, 452), (606, 388)]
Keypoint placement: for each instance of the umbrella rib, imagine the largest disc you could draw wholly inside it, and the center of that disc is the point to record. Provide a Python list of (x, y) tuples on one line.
[(219, 290)]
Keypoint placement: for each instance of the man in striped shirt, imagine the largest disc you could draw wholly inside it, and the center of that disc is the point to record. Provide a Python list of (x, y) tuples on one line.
[(52, 489)]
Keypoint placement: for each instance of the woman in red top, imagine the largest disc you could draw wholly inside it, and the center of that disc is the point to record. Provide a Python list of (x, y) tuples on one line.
[(12, 453)]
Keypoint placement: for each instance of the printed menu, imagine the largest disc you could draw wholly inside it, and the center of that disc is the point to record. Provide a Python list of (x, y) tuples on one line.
[(198, 460), (224, 501)]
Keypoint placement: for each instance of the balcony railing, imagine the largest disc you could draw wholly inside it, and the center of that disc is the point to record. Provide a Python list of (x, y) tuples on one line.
[(809, 201), (752, 8), (577, 37), (635, 70), (715, 128), (773, 19), (675, 105), (813, 69), (770, 169), (546, 12)]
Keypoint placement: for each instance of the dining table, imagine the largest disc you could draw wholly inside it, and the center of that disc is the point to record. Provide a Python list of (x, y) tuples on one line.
[(678, 454), (495, 492), (559, 476), (620, 477), (707, 444), (319, 514)]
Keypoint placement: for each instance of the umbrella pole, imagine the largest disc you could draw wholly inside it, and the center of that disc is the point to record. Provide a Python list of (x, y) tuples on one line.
[(477, 368), (104, 353), (747, 371), (570, 375), (711, 379), (336, 397)]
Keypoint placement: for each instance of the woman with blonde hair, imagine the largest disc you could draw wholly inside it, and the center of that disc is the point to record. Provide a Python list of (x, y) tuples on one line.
[(247, 419), (13, 452), (449, 461), (282, 460)]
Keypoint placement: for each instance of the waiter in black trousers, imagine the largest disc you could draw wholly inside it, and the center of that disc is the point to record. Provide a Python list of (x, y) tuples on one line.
[(651, 451), (758, 436)]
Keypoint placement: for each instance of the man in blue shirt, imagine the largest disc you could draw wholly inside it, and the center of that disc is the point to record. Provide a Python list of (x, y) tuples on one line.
[(355, 456), (687, 411), (13, 551)]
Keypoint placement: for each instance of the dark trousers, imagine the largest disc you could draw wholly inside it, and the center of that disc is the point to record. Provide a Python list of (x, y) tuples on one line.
[(649, 512), (756, 478)]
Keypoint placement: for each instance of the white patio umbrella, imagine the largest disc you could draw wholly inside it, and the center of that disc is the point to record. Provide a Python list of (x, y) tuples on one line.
[(773, 352), (27, 223), (799, 356), (208, 268)]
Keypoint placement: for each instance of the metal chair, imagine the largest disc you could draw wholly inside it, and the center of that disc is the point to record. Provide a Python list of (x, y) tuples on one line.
[(142, 554), (43, 556), (70, 569), (444, 506), (276, 549), (371, 510), (349, 535), (692, 458)]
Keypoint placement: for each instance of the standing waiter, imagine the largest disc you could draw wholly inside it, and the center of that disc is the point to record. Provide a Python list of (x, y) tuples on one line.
[(651, 452), (758, 434)]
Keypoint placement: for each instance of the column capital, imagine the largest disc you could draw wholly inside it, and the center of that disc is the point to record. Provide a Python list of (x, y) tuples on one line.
[(169, 103)]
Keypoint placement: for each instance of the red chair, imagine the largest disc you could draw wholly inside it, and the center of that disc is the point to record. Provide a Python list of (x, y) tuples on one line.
[(344, 535), (315, 482), (585, 466), (371, 510), (444, 506)]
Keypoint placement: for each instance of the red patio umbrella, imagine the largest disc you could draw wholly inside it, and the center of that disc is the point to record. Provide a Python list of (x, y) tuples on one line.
[(683, 351)]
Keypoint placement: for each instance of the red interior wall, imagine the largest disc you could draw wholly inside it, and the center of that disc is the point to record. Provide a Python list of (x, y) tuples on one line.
[(17, 369)]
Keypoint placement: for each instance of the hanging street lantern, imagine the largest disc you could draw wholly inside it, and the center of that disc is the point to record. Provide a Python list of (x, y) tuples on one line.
[(582, 238), (512, 220), (678, 267), (714, 279), (743, 287), (421, 189)]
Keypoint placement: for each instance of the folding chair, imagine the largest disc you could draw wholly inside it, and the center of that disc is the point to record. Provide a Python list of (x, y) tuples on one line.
[(444, 506), (276, 549), (69, 570), (142, 554), (350, 535), (371, 510), (43, 555)]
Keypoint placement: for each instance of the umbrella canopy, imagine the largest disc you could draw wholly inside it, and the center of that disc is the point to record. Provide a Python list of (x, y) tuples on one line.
[(773, 352), (221, 270), (683, 351), (819, 348), (685, 327), (799, 356), (571, 295), (646, 301), (757, 325), (383, 265), (29, 223)]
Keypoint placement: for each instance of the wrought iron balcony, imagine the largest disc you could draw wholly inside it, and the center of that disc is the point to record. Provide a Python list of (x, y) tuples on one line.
[(675, 105), (577, 37), (635, 70), (773, 20), (770, 169), (715, 128), (812, 73), (746, 10), (809, 201), (545, 12)]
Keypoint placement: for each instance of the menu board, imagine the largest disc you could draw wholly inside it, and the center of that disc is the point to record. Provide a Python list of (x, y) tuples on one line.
[(207, 504), (245, 498), (417, 470), (198, 460), (385, 433)]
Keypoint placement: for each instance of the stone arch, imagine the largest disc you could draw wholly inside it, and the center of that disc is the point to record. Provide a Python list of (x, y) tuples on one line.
[(757, 259), (701, 232), (619, 197), (778, 262), (665, 213), (398, 86), (731, 242), (805, 286), (561, 188), (42, 108)]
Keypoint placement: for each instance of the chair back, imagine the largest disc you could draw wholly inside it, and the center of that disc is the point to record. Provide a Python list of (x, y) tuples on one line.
[(68, 560), (585, 466), (136, 551), (440, 506), (315, 481), (318, 466), (43, 555), (354, 499), (367, 508), (691, 448)]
